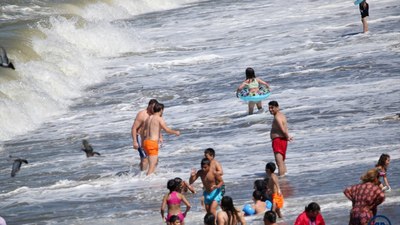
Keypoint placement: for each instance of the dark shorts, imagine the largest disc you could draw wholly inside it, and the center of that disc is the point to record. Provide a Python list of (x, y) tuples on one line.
[(364, 10), (142, 154)]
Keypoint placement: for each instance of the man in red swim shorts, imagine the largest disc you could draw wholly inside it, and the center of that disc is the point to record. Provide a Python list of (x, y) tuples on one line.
[(279, 136)]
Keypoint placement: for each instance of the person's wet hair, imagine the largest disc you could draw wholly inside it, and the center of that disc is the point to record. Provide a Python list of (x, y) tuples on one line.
[(152, 101), (271, 167), (313, 207), (209, 219), (158, 107), (371, 175), (210, 151), (257, 195), (382, 160), (250, 74), (273, 103), (171, 185), (270, 216), (205, 161)]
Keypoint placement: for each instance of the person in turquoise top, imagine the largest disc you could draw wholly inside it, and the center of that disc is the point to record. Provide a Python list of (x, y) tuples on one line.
[(252, 85)]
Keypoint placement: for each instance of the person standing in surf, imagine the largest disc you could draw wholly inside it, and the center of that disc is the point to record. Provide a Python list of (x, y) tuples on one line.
[(364, 11), (212, 183), (365, 198), (137, 132), (279, 136), (152, 133), (253, 85)]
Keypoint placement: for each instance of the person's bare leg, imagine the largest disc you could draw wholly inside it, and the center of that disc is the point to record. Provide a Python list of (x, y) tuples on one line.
[(144, 163), (365, 24), (280, 163), (152, 164), (259, 105), (213, 208), (251, 107)]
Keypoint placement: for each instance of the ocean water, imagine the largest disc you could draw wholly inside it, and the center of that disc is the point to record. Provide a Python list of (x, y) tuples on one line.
[(85, 68)]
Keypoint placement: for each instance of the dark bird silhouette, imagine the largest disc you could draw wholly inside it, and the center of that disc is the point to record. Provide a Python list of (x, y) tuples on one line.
[(4, 62), (87, 148), (17, 166)]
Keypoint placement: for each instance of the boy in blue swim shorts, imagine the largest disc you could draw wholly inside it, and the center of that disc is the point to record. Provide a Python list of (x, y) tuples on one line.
[(212, 182)]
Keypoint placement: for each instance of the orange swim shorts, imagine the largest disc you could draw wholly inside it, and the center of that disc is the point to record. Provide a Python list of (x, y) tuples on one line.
[(278, 200), (150, 147)]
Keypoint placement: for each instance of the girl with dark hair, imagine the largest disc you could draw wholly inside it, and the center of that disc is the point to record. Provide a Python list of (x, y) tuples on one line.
[(252, 84), (229, 215), (173, 200), (382, 166)]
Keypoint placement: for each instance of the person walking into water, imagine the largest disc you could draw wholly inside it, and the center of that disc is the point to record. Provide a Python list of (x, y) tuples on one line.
[(279, 136), (252, 85), (212, 182), (364, 11), (137, 132), (152, 133)]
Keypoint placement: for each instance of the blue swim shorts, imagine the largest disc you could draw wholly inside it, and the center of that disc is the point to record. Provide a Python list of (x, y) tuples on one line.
[(141, 151), (215, 195)]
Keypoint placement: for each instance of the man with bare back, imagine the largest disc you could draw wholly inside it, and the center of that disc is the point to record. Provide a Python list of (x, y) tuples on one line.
[(137, 132), (152, 134), (279, 136), (212, 183)]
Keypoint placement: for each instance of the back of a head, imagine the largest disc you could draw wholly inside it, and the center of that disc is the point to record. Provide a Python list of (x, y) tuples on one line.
[(227, 204), (271, 167), (174, 218), (257, 195), (250, 74), (209, 219), (371, 175), (260, 185), (270, 216), (152, 101), (171, 185), (210, 151), (313, 207), (158, 107)]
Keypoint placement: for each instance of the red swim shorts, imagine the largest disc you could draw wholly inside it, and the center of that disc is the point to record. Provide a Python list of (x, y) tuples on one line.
[(279, 145)]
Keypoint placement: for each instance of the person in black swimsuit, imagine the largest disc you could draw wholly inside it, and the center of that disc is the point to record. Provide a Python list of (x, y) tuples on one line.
[(364, 10)]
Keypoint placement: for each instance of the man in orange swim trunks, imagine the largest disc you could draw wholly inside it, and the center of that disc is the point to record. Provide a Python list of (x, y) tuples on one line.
[(279, 136), (152, 130)]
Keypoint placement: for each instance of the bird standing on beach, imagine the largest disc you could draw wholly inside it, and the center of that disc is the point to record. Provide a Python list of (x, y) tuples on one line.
[(4, 62), (87, 148), (17, 166)]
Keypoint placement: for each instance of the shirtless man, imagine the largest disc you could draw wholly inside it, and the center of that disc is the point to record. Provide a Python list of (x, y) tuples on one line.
[(212, 183), (274, 188), (152, 133), (137, 132), (279, 136)]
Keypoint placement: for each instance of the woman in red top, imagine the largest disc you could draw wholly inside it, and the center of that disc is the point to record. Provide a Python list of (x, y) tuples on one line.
[(365, 198), (310, 216)]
